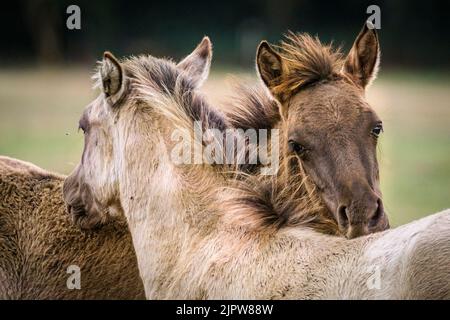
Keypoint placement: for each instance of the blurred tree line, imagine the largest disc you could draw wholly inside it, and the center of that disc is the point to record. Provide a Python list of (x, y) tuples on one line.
[(414, 33)]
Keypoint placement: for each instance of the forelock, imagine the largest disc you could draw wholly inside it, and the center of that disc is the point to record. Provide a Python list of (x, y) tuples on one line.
[(306, 61)]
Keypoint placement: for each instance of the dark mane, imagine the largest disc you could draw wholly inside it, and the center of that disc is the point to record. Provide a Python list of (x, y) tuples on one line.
[(159, 78), (251, 107), (307, 61), (284, 200)]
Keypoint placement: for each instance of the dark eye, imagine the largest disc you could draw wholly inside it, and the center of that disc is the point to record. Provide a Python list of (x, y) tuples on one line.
[(296, 147), (377, 130)]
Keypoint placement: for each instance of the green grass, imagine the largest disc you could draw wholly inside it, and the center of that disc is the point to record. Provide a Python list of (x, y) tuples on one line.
[(39, 112), (415, 148)]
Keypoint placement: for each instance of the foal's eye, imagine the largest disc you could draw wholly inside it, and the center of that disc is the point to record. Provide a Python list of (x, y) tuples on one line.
[(296, 147), (377, 130)]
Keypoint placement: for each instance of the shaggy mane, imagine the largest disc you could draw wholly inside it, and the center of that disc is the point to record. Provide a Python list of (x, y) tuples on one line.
[(287, 199), (270, 203), (306, 61), (172, 93), (251, 107)]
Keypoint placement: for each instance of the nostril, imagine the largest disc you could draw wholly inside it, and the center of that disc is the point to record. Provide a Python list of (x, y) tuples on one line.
[(342, 216), (377, 215)]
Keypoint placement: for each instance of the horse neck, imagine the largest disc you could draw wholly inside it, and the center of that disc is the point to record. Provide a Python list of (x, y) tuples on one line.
[(161, 206)]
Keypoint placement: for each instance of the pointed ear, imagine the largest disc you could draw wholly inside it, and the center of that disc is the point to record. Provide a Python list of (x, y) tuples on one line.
[(111, 74), (362, 61), (197, 64), (269, 64)]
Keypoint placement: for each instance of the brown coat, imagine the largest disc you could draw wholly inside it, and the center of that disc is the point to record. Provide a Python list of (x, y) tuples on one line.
[(38, 242)]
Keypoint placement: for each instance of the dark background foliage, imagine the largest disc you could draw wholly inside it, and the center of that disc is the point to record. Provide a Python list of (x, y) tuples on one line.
[(414, 32)]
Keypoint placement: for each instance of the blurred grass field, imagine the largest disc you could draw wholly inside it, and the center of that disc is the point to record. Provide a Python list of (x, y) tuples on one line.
[(40, 108)]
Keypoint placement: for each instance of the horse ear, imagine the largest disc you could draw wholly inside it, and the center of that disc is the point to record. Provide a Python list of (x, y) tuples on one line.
[(269, 64), (363, 59), (111, 74), (197, 64)]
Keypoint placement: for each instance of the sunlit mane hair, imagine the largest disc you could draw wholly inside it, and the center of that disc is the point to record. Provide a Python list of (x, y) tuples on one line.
[(170, 92), (306, 60), (251, 107), (286, 199), (270, 203)]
